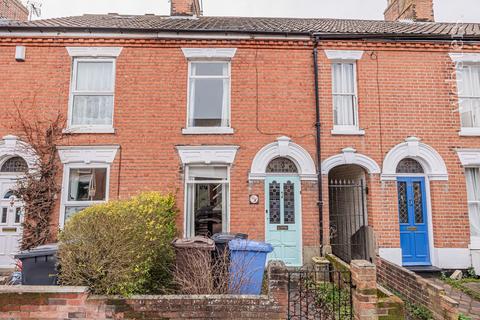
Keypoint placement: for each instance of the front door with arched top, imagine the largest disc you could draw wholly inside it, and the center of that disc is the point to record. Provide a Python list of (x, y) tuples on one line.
[(283, 216), (412, 212), (11, 211)]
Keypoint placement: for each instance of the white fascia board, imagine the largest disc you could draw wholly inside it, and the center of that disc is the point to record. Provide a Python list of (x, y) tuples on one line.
[(94, 51), (158, 35)]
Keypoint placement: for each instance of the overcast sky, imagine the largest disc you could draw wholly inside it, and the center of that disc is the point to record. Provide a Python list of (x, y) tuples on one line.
[(445, 10)]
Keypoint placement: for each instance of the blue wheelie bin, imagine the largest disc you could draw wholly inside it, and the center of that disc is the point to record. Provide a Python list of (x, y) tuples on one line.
[(247, 265)]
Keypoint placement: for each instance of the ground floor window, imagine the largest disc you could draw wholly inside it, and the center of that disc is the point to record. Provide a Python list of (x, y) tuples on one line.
[(473, 194), (83, 187), (207, 195)]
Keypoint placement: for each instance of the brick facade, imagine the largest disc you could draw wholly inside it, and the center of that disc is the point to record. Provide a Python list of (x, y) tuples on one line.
[(272, 96), (14, 10)]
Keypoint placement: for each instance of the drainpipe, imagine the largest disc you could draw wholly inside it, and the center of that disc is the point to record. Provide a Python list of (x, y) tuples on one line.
[(319, 146)]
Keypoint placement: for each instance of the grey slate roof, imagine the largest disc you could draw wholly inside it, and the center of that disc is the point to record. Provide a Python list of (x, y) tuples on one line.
[(153, 23)]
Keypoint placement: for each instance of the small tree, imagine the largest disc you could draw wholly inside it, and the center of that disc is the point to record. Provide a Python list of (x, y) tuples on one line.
[(38, 188)]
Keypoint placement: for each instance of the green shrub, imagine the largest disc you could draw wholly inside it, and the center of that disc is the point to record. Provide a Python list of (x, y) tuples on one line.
[(121, 247)]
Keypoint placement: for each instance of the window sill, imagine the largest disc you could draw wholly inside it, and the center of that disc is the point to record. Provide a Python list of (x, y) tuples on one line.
[(347, 132), (469, 132), (207, 130), (88, 129)]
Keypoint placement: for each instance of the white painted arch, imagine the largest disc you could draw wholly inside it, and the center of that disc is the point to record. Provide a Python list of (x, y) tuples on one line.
[(431, 161), (350, 156), (11, 146), (283, 147)]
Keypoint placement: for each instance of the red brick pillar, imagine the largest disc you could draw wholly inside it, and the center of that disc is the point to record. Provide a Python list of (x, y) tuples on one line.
[(278, 284), (364, 280)]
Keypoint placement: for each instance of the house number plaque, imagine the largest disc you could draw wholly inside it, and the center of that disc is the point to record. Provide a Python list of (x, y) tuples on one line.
[(282, 228)]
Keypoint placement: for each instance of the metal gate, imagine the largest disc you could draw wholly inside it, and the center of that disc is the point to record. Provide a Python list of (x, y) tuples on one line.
[(348, 225), (319, 294)]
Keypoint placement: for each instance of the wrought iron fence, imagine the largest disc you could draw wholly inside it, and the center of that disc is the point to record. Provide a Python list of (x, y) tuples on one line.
[(348, 225), (319, 294)]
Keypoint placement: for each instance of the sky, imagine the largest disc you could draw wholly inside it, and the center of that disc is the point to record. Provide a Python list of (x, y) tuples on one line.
[(445, 10)]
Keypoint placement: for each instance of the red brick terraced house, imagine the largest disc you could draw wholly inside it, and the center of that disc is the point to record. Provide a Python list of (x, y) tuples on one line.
[(362, 137)]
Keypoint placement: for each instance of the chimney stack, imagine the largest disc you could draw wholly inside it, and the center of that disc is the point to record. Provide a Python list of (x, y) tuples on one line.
[(414, 10), (186, 8)]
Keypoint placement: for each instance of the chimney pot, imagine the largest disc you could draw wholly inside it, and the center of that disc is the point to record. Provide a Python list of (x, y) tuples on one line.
[(186, 8), (413, 10)]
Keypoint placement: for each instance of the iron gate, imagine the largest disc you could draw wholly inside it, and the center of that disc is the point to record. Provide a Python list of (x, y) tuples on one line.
[(319, 294), (348, 225)]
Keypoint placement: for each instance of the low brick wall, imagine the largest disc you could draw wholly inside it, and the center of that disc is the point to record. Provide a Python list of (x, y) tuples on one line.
[(53, 302), (416, 290), (25, 302)]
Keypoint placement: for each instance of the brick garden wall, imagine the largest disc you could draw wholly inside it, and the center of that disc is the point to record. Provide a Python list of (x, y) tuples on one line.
[(74, 303), (416, 290)]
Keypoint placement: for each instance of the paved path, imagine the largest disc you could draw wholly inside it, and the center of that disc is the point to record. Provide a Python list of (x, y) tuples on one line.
[(468, 306)]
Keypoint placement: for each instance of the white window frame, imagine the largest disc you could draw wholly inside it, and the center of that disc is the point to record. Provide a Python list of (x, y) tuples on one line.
[(226, 127), (73, 93), (466, 131), (84, 157), (346, 57), (474, 240), (209, 55), (461, 59), (66, 186), (189, 217), (347, 129)]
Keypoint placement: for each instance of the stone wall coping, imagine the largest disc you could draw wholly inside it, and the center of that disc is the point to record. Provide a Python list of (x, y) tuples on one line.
[(42, 289), (182, 297)]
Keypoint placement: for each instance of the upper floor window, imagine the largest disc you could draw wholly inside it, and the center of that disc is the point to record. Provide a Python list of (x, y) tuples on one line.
[(209, 83), (344, 91), (469, 95), (345, 112), (209, 99), (92, 89)]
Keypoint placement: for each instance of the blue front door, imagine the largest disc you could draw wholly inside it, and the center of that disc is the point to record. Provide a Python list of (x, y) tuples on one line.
[(412, 211), (282, 202)]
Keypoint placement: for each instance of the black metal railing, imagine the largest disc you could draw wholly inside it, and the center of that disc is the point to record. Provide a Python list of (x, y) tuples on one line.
[(319, 294), (348, 225)]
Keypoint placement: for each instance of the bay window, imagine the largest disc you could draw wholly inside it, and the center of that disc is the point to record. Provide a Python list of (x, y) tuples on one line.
[(207, 197)]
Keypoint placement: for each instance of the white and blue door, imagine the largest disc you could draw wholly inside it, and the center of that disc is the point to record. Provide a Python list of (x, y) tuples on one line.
[(283, 225), (412, 209)]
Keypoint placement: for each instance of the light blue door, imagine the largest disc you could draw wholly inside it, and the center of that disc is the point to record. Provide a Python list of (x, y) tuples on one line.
[(412, 210), (282, 200)]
